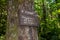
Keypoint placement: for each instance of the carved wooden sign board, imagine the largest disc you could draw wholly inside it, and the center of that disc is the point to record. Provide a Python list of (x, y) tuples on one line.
[(28, 18)]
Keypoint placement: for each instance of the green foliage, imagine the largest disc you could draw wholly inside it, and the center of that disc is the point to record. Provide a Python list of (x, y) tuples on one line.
[(2, 37), (49, 28), (3, 19)]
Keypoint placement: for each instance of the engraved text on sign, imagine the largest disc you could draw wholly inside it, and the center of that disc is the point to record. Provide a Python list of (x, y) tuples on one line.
[(28, 18)]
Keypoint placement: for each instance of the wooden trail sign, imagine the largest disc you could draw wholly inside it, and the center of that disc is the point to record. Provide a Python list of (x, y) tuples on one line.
[(27, 15), (28, 18)]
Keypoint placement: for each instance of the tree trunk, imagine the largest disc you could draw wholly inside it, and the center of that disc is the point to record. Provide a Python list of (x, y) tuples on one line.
[(27, 33), (16, 31), (12, 19)]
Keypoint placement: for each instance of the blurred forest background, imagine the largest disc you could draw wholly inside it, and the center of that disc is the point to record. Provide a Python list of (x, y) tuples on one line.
[(49, 14)]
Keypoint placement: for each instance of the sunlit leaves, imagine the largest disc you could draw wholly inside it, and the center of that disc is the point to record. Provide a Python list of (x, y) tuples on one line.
[(58, 11), (3, 18), (54, 13), (50, 28), (2, 37)]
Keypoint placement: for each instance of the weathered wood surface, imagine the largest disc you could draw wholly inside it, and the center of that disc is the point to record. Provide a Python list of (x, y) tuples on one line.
[(15, 31), (28, 18), (27, 14)]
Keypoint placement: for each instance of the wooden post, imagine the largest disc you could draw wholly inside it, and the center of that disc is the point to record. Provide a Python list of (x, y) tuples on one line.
[(22, 20)]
